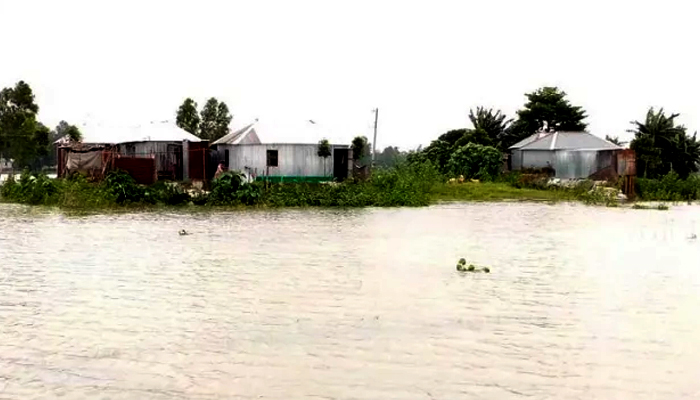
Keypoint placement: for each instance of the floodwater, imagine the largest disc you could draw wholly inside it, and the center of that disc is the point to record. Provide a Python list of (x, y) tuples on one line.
[(581, 303)]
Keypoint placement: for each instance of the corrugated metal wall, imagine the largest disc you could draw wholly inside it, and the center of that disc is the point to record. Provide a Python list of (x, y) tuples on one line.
[(293, 159), (537, 159), (142, 169), (566, 164), (168, 155)]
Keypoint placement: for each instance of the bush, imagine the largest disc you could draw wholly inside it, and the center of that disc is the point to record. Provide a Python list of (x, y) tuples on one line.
[(669, 188), (224, 188), (123, 187), (169, 193), (78, 193), (31, 188), (475, 161)]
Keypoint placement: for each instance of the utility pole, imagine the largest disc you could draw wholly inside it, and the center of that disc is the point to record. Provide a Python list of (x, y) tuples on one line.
[(374, 141)]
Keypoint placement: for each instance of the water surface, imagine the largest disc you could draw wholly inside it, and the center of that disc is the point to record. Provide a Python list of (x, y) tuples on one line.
[(582, 302)]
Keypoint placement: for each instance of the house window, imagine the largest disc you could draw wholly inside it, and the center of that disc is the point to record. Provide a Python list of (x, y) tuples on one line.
[(272, 158), (226, 158)]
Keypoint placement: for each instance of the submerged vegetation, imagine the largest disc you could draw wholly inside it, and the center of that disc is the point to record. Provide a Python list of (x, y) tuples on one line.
[(403, 185), (406, 184)]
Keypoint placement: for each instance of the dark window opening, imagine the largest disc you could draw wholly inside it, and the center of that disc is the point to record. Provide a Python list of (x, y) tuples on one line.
[(226, 158), (272, 158)]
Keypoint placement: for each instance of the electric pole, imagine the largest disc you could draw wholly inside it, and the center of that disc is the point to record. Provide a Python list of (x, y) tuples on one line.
[(374, 141)]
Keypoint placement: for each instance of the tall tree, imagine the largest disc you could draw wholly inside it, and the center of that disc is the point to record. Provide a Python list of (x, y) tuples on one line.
[(548, 110), (64, 129), (187, 117), (451, 137), (390, 156), (215, 119), (22, 138), (493, 124), (360, 149), (663, 146)]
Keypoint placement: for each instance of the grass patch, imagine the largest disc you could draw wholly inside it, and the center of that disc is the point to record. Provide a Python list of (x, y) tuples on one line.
[(495, 191)]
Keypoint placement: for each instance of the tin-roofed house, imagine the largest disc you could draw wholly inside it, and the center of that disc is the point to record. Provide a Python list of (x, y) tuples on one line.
[(572, 155), (286, 157), (148, 152)]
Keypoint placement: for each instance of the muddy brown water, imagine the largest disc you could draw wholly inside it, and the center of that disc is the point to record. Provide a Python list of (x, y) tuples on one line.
[(582, 302)]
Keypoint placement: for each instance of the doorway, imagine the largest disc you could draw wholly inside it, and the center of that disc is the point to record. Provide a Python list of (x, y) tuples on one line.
[(340, 164)]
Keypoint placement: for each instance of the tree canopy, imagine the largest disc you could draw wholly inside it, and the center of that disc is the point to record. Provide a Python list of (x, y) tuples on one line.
[(360, 148), (22, 137), (187, 117), (210, 124), (547, 110), (663, 146), (214, 120)]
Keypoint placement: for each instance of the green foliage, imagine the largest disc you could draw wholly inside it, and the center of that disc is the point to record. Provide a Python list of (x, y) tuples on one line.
[(231, 189), (614, 140), (169, 193), (476, 136), (669, 188), (390, 157), (22, 137), (64, 129), (123, 187), (489, 127), (187, 117), (360, 148), (475, 161), (404, 185), (324, 148), (451, 137), (438, 153), (31, 189), (215, 120), (662, 146), (548, 110)]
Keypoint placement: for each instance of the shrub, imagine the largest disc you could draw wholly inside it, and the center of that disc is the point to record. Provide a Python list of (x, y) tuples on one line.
[(169, 193), (31, 188), (230, 189), (123, 187), (475, 161), (669, 188)]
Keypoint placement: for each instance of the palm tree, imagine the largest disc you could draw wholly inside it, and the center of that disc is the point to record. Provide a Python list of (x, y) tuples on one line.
[(614, 140), (493, 123), (686, 154), (655, 141)]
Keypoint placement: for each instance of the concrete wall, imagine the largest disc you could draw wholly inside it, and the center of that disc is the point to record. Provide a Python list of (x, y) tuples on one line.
[(293, 159)]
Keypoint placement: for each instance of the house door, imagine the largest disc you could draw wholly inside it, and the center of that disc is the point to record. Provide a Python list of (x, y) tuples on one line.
[(340, 164)]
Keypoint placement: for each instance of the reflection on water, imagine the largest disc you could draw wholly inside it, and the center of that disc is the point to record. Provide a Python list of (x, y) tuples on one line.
[(361, 304)]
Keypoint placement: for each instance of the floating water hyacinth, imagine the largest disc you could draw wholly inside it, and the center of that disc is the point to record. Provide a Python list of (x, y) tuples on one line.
[(463, 267)]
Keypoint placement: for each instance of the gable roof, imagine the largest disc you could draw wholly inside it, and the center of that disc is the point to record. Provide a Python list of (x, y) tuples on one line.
[(155, 131), (564, 141), (247, 134), (284, 131)]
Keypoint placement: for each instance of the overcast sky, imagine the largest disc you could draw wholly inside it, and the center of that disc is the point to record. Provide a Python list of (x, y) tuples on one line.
[(424, 64)]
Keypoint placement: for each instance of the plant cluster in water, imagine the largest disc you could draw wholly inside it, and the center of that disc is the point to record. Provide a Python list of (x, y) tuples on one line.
[(402, 185), (463, 267)]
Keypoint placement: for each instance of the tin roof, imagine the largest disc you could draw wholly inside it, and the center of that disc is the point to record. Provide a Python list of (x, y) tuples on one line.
[(565, 141), (235, 137), (275, 130), (154, 131)]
